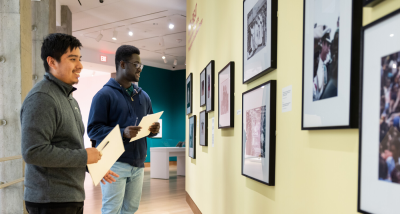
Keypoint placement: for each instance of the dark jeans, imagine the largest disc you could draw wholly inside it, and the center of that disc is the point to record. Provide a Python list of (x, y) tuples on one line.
[(54, 208)]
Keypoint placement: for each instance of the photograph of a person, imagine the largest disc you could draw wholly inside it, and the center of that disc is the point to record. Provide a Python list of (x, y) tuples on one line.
[(203, 128), (258, 128), (203, 88), (326, 50), (189, 96), (389, 119), (256, 28), (192, 136)]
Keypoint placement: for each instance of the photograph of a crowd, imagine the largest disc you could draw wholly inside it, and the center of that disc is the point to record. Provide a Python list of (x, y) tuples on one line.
[(389, 127)]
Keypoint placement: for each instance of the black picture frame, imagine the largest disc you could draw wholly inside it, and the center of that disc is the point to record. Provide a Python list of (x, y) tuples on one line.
[(203, 77), (273, 34), (210, 86), (231, 104), (354, 69), (205, 128), (192, 127), (371, 3), (189, 101), (272, 130), (377, 187)]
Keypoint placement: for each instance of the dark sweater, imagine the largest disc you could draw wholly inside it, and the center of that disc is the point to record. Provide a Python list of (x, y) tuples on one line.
[(52, 143), (113, 105)]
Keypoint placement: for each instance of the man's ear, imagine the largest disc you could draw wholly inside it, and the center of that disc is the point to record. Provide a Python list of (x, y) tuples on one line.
[(51, 62), (122, 64)]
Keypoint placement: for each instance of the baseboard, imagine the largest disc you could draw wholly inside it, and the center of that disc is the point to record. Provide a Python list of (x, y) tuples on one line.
[(192, 205), (171, 163)]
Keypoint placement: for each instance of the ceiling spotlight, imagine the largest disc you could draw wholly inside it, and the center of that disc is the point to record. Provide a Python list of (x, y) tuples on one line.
[(98, 38), (391, 35), (165, 60), (175, 62), (163, 57), (115, 34), (161, 42), (130, 32), (171, 25)]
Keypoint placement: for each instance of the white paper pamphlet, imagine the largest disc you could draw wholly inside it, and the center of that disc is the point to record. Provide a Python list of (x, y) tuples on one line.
[(145, 123)]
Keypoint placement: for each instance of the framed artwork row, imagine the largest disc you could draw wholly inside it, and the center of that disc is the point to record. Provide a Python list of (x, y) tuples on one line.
[(260, 26), (258, 133), (331, 64), (379, 138)]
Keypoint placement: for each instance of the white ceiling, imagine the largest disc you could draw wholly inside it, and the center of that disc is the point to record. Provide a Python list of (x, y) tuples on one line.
[(147, 19)]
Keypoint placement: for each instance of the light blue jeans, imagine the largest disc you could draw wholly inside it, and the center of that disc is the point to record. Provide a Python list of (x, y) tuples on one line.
[(123, 196)]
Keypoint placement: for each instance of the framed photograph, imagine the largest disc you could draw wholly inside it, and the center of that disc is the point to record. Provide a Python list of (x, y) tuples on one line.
[(379, 158), (189, 94), (203, 129), (260, 27), (210, 86), (159, 135), (192, 137), (331, 33), (258, 133), (371, 3), (226, 90), (203, 88)]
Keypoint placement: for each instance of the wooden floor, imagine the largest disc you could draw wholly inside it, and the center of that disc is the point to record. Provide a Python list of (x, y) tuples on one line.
[(158, 197)]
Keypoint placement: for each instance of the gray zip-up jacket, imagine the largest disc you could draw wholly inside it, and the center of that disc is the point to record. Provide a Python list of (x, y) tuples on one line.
[(52, 143)]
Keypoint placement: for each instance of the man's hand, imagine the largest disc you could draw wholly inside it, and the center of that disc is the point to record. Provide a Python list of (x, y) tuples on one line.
[(155, 128), (93, 155), (109, 178), (131, 131)]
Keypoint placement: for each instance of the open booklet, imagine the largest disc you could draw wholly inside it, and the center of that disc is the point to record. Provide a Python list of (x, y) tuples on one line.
[(111, 148), (145, 123)]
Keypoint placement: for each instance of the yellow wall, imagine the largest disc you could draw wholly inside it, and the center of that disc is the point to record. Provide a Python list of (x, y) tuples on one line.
[(316, 171)]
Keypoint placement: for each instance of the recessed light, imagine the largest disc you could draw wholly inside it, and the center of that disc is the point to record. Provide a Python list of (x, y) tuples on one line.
[(391, 35), (171, 26)]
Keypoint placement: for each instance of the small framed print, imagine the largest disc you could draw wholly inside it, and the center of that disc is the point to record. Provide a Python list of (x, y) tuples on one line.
[(331, 32), (159, 135), (258, 133), (379, 141), (260, 27), (210, 86), (189, 94), (203, 128), (203, 88), (192, 137), (226, 89)]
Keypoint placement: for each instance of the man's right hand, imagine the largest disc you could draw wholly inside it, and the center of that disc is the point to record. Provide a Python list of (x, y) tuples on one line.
[(93, 155), (131, 131)]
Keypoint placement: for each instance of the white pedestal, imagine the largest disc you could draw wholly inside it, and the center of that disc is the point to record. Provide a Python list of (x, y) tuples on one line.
[(159, 161)]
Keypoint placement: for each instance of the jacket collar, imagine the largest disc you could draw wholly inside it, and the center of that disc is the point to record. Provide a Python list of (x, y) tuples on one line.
[(64, 87)]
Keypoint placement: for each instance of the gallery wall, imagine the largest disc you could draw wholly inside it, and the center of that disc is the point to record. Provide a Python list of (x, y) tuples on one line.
[(166, 91), (316, 171)]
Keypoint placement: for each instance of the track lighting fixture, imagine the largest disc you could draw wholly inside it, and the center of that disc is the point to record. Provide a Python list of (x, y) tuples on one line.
[(115, 35), (161, 42), (130, 32), (175, 62), (171, 24), (99, 37)]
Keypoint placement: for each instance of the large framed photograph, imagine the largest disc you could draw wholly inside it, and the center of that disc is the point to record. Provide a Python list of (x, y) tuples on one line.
[(203, 128), (258, 133), (203, 88), (192, 137), (210, 86), (259, 38), (189, 94), (226, 90), (331, 32), (379, 158)]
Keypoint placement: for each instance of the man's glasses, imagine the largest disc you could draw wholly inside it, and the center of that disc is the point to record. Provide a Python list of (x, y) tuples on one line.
[(137, 65)]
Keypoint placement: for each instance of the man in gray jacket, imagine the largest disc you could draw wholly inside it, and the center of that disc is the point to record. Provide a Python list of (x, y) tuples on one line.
[(52, 134)]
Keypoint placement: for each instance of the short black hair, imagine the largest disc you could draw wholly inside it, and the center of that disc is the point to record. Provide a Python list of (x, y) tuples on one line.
[(57, 44), (124, 53)]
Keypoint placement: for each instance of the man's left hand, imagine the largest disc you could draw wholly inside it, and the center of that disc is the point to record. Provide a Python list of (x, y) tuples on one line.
[(155, 128), (109, 177)]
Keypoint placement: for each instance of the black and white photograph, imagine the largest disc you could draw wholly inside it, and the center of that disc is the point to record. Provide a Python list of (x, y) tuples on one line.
[(225, 96), (203, 128), (330, 64), (189, 94), (379, 166), (203, 88), (192, 137), (258, 133), (259, 38), (210, 86)]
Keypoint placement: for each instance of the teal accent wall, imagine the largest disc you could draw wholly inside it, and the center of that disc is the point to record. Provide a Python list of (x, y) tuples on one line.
[(167, 93)]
